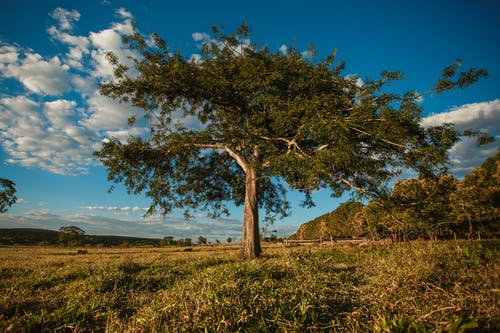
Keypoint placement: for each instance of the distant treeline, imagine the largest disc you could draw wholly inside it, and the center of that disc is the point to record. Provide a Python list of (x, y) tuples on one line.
[(27, 236), (429, 207)]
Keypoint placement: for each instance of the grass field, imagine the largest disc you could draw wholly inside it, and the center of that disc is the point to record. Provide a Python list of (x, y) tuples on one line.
[(410, 287)]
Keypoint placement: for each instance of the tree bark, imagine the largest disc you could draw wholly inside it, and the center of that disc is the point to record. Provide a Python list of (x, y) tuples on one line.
[(250, 234)]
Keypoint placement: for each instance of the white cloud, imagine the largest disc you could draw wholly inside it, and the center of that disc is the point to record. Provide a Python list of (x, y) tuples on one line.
[(108, 40), (37, 134), (9, 54), (44, 77), (356, 80), (81, 42), (484, 116), (196, 58), (107, 114), (200, 36), (48, 128), (123, 13), (466, 155), (85, 86), (307, 54), (58, 112), (283, 49), (65, 18), (78, 46)]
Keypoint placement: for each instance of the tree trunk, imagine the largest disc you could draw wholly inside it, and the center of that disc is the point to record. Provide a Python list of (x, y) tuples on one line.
[(250, 236)]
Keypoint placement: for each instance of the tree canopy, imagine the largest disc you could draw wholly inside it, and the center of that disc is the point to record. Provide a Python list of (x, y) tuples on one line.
[(7, 194), (268, 121)]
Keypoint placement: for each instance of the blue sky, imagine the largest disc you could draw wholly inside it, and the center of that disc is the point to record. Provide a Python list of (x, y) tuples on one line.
[(52, 117)]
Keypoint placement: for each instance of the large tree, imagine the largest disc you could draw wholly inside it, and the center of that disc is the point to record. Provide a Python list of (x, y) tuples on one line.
[(269, 121)]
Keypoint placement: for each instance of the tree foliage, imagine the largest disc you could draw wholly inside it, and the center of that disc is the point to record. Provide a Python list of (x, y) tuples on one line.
[(268, 121), (71, 235), (201, 240), (476, 202), (420, 207), (7, 194), (441, 207), (340, 222)]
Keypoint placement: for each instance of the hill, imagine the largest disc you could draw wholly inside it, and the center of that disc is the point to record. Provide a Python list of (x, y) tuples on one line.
[(30, 236), (339, 223)]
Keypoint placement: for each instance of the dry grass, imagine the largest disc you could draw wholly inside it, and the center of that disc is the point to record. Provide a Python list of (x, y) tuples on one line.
[(413, 287)]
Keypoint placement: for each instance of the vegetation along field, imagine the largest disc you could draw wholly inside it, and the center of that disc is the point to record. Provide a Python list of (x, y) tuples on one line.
[(444, 286)]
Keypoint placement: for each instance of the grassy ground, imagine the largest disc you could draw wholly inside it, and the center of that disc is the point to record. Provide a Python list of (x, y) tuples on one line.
[(412, 287)]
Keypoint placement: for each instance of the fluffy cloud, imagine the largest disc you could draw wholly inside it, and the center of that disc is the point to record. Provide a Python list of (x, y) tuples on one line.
[(466, 154), (65, 18), (41, 134), (107, 114), (60, 118), (483, 116), (8, 54), (40, 76), (58, 112), (78, 46), (283, 49), (108, 40), (123, 13)]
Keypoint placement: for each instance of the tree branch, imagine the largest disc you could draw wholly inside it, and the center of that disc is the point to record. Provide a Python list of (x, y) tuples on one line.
[(354, 187), (240, 159), (290, 142)]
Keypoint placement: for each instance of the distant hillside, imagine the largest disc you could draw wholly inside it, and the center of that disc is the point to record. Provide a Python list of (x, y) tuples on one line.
[(28, 236), (338, 223)]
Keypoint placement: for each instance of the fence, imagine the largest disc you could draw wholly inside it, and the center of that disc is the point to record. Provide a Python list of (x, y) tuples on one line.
[(289, 242)]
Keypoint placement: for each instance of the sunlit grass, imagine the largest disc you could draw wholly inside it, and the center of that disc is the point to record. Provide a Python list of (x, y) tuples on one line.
[(419, 287)]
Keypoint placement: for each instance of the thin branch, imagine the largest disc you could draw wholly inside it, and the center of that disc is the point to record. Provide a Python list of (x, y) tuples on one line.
[(380, 139)]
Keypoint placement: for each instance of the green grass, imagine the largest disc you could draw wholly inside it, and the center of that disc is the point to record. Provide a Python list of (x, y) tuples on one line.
[(411, 287)]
